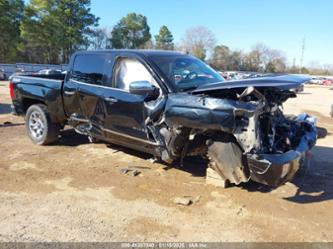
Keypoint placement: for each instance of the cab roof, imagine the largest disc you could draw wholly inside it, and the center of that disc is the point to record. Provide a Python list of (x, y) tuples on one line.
[(145, 52)]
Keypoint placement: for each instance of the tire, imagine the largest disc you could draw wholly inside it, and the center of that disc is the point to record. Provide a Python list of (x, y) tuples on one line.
[(226, 160), (39, 126)]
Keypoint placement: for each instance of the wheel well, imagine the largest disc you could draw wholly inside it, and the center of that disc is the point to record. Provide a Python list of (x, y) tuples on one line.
[(26, 103)]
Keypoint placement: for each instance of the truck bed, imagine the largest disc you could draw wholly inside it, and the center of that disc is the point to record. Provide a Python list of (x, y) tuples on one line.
[(46, 89)]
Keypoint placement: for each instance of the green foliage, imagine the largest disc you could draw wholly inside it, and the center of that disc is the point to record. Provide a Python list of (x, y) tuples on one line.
[(221, 57), (225, 59), (53, 29), (132, 31), (11, 12), (164, 39)]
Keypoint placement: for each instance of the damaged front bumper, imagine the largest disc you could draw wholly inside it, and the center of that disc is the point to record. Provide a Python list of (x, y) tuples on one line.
[(276, 169)]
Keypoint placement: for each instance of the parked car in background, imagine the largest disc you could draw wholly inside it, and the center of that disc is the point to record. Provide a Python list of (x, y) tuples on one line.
[(327, 82), (316, 81), (17, 72), (233, 75), (2, 74), (224, 75)]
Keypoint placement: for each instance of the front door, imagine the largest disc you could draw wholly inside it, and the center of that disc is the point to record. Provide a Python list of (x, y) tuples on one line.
[(126, 113)]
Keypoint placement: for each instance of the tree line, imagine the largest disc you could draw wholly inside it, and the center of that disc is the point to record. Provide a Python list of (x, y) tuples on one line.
[(49, 31)]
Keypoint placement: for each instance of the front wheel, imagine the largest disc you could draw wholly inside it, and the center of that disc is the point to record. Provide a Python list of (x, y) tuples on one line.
[(39, 125)]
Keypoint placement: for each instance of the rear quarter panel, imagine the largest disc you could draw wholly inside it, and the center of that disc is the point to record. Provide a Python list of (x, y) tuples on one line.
[(47, 91)]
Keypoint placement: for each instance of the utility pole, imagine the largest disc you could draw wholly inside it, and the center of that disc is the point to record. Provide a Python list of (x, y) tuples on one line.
[(302, 55)]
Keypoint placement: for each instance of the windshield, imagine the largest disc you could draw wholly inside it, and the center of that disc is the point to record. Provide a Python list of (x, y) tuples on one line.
[(186, 72)]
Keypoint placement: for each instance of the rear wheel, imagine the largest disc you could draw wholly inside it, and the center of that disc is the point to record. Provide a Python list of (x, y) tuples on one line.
[(39, 125)]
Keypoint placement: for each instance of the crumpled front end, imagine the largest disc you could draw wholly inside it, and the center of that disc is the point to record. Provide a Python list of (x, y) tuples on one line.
[(240, 128), (274, 169)]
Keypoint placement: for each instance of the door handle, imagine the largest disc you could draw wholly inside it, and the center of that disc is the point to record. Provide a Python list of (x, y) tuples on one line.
[(111, 99), (69, 92)]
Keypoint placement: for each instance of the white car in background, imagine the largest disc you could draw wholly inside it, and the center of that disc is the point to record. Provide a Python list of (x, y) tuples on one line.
[(316, 81)]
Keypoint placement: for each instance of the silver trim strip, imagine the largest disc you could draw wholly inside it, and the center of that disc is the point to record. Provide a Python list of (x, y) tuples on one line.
[(105, 87), (131, 137), (69, 92), (80, 119), (112, 100)]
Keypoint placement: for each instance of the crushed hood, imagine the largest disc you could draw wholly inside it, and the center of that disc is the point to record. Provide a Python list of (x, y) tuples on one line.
[(282, 82)]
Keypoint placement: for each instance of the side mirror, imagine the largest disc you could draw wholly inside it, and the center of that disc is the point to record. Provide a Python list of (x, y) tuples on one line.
[(144, 88)]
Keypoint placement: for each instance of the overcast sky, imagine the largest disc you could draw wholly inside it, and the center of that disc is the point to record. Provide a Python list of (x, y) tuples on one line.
[(239, 24)]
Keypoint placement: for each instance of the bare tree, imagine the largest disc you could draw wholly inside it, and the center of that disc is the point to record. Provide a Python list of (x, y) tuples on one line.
[(253, 61), (328, 68), (276, 61), (198, 41), (100, 38), (148, 45), (317, 68), (264, 59)]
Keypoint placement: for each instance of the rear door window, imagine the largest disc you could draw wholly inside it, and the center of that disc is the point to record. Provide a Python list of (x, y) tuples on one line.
[(89, 68)]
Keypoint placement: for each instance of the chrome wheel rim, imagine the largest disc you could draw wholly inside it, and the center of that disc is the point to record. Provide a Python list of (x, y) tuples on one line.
[(36, 125)]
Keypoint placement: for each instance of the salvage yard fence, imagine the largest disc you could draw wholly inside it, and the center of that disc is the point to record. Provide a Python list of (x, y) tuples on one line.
[(30, 68)]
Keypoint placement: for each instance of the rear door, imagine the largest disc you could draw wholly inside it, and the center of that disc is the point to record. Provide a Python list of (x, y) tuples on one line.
[(87, 77), (70, 97)]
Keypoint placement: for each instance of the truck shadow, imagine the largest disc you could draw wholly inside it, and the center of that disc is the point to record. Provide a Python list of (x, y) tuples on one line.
[(196, 166), (313, 184), (118, 148), (5, 108), (70, 138), (10, 124)]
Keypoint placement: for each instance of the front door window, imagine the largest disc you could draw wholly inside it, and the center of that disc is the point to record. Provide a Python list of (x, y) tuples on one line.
[(129, 70)]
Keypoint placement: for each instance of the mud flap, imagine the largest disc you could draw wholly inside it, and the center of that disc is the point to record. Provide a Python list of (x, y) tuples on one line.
[(227, 160)]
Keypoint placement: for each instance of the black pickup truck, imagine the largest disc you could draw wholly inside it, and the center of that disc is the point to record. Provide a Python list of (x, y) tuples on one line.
[(171, 105)]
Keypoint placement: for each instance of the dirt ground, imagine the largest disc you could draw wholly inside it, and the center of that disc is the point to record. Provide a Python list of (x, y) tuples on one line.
[(75, 191)]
